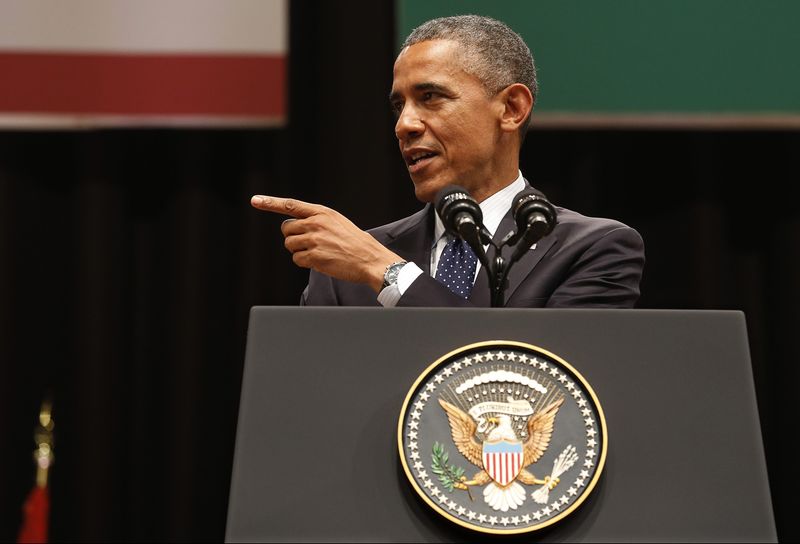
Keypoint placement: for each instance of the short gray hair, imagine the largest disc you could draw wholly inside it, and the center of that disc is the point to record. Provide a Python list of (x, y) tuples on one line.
[(498, 56)]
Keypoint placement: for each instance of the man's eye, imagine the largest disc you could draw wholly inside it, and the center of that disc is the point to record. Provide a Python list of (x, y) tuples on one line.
[(428, 96), (397, 107)]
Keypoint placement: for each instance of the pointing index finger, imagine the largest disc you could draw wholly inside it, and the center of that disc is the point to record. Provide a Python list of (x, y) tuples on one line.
[(287, 206)]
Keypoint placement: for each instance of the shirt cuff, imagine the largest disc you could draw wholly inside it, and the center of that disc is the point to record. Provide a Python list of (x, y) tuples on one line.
[(389, 296)]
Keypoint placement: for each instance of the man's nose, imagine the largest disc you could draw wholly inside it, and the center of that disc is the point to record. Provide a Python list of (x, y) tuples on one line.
[(409, 123)]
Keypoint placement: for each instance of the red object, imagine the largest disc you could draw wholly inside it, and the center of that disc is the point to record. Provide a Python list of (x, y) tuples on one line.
[(36, 512), (180, 85)]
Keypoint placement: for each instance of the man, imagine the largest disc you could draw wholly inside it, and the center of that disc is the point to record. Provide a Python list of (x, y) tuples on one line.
[(463, 92)]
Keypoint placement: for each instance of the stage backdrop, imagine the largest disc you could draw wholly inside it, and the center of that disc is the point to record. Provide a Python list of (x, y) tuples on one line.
[(129, 261), (90, 63), (685, 63)]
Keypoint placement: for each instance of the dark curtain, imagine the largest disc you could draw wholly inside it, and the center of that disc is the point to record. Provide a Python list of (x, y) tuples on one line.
[(129, 260)]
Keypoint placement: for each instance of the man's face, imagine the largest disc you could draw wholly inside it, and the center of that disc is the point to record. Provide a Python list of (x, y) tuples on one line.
[(447, 127)]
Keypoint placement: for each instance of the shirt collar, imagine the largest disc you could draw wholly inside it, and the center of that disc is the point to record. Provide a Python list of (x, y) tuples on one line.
[(493, 208)]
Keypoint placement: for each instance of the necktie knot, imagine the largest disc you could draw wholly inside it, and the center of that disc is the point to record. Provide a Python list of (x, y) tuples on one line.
[(456, 268)]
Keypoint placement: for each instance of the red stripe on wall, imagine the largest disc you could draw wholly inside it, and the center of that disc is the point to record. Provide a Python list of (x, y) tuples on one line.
[(143, 84)]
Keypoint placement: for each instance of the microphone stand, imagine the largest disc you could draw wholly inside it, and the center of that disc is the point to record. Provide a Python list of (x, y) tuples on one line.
[(498, 278), (496, 268), (476, 237), (498, 272)]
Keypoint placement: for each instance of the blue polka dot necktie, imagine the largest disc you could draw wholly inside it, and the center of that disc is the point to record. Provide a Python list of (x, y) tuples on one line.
[(456, 268)]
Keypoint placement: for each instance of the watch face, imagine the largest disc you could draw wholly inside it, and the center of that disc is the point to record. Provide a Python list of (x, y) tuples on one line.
[(391, 274)]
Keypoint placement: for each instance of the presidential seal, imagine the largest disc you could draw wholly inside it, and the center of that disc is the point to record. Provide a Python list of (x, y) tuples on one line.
[(502, 437)]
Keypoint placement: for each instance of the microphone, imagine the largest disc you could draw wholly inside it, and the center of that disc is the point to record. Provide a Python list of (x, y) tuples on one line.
[(535, 218), (460, 213), (462, 217)]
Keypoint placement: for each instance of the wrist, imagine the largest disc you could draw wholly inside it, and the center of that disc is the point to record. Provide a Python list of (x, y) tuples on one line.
[(385, 271), (392, 272)]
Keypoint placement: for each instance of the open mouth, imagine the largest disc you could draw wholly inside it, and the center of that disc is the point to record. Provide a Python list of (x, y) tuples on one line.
[(418, 157)]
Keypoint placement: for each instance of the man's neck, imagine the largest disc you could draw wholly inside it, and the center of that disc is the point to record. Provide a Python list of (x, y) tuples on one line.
[(493, 207), (503, 173)]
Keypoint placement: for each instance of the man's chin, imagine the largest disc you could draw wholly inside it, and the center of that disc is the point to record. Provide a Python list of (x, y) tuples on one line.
[(426, 190)]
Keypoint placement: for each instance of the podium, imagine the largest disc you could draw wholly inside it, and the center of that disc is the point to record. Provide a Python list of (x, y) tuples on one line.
[(316, 455)]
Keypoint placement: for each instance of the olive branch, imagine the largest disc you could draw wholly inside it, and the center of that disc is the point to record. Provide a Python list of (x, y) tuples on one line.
[(450, 476)]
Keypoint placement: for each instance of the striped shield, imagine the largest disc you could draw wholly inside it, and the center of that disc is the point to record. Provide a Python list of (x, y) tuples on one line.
[(502, 460)]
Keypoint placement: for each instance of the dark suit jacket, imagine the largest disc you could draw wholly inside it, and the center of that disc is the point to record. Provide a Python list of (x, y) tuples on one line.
[(585, 262)]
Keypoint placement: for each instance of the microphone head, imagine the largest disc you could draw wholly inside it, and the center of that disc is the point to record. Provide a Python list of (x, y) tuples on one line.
[(453, 200), (531, 209)]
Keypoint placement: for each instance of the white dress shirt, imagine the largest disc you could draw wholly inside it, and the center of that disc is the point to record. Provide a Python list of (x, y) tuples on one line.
[(493, 208)]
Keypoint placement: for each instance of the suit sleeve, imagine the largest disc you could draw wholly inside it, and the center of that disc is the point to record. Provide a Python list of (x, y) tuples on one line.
[(322, 290), (427, 291), (605, 275), (319, 291)]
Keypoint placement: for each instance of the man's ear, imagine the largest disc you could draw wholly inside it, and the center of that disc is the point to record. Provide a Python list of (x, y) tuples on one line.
[(517, 103)]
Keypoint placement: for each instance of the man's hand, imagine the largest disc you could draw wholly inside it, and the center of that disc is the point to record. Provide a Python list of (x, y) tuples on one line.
[(325, 240)]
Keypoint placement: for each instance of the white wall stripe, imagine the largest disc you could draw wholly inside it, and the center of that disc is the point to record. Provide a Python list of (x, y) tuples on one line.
[(145, 26)]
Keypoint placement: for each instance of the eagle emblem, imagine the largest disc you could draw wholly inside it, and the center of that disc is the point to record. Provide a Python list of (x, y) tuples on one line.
[(502, 437), (501, 457)]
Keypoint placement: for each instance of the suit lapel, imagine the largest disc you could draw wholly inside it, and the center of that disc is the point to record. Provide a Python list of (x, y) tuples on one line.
[(480, 295), (412, 239), (525, 265), (519, 270)]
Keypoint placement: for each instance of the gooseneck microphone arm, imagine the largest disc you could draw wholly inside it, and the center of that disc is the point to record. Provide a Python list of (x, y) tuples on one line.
[(535, 218), (461, 215)]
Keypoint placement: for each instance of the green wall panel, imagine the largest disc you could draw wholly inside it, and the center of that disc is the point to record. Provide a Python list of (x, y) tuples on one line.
[(694, 57)]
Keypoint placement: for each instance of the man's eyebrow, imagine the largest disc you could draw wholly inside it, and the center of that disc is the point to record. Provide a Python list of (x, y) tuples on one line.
[(430, 86), (426, 86)]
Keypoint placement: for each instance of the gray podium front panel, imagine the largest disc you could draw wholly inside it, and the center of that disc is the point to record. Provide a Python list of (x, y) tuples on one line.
[(316, 455)]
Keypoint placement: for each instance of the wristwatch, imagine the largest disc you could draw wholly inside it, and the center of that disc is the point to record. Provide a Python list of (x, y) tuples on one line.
[(392, 271)]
